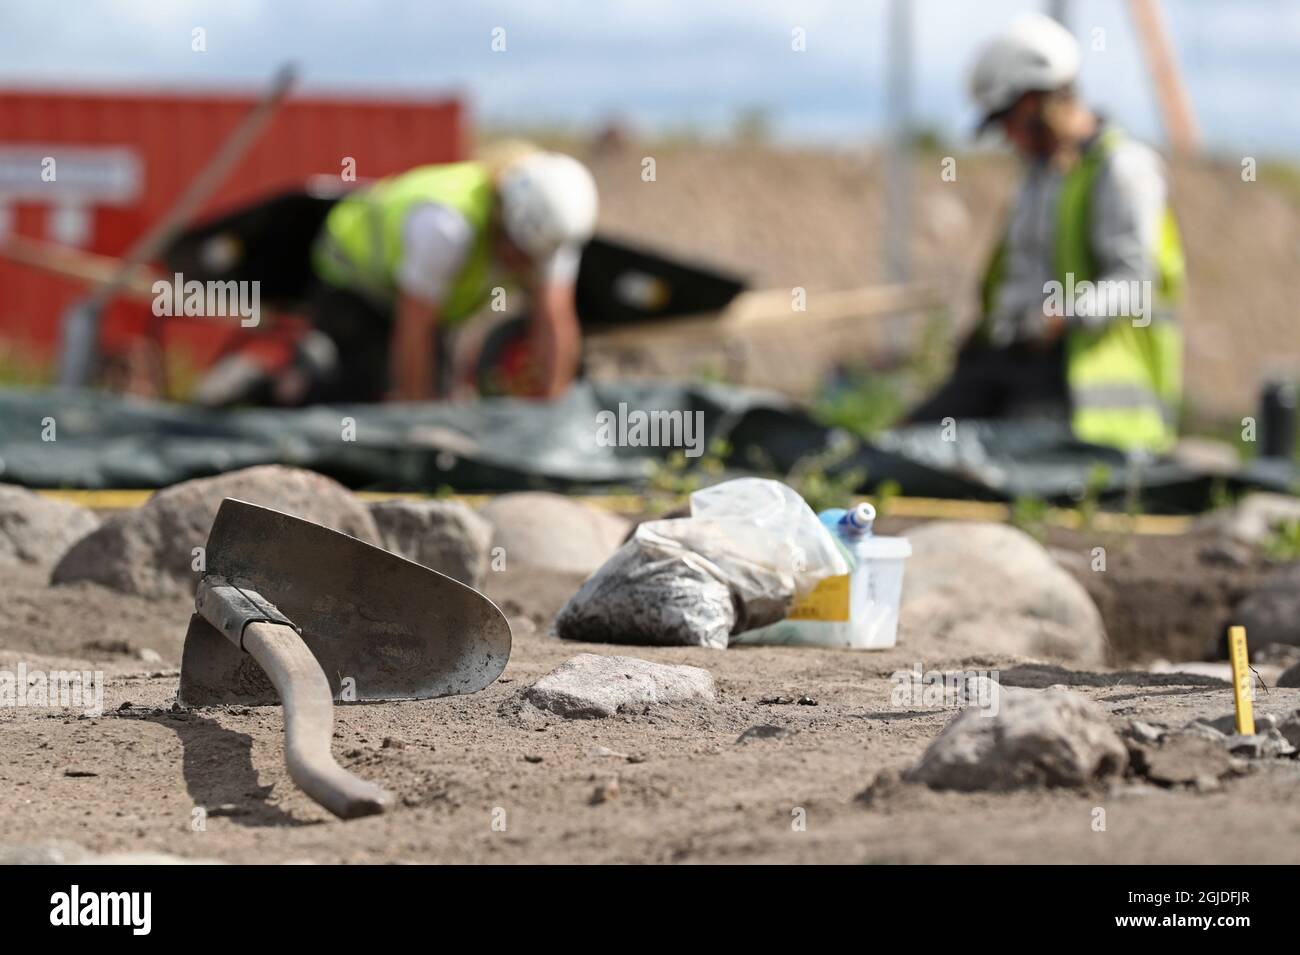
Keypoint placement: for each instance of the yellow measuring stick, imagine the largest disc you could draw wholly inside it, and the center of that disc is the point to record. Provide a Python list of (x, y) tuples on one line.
[(1241, 680)]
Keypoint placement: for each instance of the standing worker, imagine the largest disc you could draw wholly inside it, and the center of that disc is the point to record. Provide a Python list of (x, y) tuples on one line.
[(1091, 218), (422, 251)]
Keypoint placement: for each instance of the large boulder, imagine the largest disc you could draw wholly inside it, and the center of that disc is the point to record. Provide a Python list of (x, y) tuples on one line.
[(986, 588), (539, 529), (1050, 737), (1272, 613), (446, 536), (37, 530), (590, 686), (149, 551), (1254, 518)]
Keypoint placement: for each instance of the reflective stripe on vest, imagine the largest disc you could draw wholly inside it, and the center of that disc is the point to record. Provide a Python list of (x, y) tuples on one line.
[(1125, 380), (361, 243)]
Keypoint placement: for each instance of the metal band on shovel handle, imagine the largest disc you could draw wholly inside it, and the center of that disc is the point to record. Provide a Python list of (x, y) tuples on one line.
[(255, 626)]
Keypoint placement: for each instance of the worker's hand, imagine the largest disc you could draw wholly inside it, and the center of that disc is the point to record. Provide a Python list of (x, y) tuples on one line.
[(411, 350), (556, 338), (1044, 329)]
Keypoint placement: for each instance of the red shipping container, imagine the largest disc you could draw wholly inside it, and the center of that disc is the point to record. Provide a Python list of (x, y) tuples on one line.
[(124, 158)]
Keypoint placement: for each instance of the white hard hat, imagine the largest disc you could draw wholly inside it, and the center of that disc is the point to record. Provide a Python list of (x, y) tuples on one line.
[(1036, 54), (548, 202)]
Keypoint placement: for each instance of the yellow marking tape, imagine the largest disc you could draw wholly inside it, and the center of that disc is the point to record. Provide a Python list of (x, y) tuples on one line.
[(1242, 684), (918, 507)]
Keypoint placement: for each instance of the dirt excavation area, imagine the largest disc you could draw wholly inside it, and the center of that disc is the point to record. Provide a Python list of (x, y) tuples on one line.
[(1019, 719)]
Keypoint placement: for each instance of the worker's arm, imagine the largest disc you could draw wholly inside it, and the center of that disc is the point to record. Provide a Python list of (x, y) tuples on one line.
[(556, 338), (411, 359), (1128, 209), (436, 240)]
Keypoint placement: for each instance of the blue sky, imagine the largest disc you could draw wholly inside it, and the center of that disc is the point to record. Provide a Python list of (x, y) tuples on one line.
[(663, 64)]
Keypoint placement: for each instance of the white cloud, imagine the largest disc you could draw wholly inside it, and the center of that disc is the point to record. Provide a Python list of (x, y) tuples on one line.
[(657, 61)]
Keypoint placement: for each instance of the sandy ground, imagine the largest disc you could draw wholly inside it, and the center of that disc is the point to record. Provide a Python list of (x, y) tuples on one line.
[(478, 779)]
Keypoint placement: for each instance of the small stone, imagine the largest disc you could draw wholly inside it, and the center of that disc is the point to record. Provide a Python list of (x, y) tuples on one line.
[(532, 758), (601, 752), (592, 685), (1051, 738), (392, 742), (1143, 732), (1227, 724), (1290, 729), (1269, 744), (149, 655), (79, 773), (763, 731), (1183, 758), (605, 791), (776, 701), (1204, 731), (126, 705), (807, 701)]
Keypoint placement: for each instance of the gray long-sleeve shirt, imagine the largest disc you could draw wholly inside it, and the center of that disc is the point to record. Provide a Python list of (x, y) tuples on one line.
[(1128, 207)]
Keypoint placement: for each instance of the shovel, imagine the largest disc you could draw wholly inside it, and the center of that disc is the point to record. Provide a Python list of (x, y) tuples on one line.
[(293, 612)]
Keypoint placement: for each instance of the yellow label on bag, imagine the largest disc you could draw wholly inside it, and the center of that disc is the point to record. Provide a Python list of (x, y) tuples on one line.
[(828, 601)]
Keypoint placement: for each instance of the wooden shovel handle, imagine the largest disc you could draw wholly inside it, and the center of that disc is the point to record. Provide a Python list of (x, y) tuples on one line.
[(309, 723)]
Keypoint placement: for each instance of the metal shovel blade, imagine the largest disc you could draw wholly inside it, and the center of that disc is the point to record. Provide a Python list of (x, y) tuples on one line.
[(381, 627)]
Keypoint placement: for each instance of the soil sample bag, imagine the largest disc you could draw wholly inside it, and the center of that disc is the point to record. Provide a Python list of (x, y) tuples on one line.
[(750, 547)]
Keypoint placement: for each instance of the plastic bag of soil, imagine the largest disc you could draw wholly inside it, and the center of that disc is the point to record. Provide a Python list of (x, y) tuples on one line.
[(749, 548)]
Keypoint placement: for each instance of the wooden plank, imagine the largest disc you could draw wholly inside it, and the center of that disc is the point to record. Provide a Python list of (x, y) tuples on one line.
[(78, 265), (771, 309)]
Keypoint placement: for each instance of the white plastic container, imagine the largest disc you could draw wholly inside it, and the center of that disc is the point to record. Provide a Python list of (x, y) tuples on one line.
[(858, 610)]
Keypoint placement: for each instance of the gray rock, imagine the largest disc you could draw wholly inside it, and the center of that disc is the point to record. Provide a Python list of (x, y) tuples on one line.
[(539, 529), (1291, 677), (36, 529), (1268, 741), (68, 853), (1227, 723), (763, 731), (1144, 732), (1263, 744), (1206, 732), (982, 588), (149, 550), (1290, 729), (1254, 517), (444, 535), (1185, 758), (1272, 613), (590, 686), (1052, 738)]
